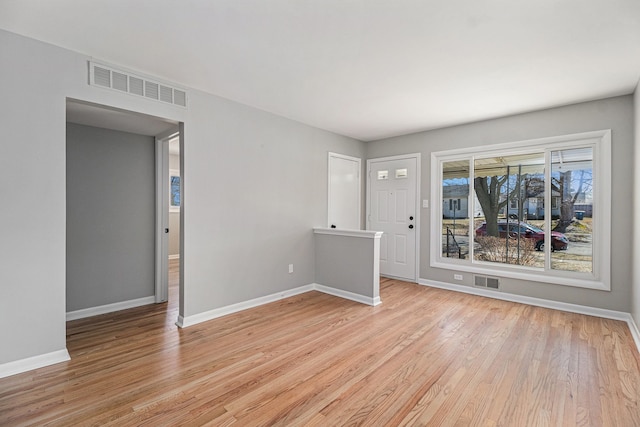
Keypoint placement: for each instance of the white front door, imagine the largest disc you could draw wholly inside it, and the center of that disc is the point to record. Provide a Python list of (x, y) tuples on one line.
[(391, 203)]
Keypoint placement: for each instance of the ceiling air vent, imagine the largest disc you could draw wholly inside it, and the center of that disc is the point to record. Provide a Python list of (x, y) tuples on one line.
[(166, 94), (124, 81), (136, 86), (119, 81), (101, 76), (180, 97), (151, 90)]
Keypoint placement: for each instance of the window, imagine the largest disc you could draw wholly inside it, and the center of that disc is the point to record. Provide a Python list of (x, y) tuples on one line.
[(536, 210), (174, 190)]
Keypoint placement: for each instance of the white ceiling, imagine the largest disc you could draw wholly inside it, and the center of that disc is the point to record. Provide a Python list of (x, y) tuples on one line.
[(363, 68)]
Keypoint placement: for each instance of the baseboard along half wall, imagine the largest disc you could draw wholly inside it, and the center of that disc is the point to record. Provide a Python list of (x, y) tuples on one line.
[(540, 302), (184, 322), (109, 308), (635, 332), (347, 295), (35, 362)]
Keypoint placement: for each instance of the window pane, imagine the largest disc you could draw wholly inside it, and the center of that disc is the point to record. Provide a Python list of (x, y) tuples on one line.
[(572, 213), (401, 173), (509, 209), (175, 191), (455, 209)]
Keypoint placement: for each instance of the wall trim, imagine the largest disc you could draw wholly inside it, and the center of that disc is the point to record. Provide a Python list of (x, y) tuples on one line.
[(347, 295), (184, 322), (108, 308), (635, 332), (540, 302), (35, 362)]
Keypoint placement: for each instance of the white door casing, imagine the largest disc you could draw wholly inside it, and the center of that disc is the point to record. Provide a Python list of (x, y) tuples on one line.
[(344, 199), (162, 217), (392, 197)]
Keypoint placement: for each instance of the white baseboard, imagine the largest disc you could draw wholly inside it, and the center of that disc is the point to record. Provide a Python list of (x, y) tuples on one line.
[(635, 332), (187, 321), (35, 362), (184, 322), (347, 295), (540, 302), (174, 256), (108, 308)]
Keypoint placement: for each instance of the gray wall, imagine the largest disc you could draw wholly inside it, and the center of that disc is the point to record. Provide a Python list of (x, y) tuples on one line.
[(110, 216), (634, 220), (348, 263), (174, 233), (614, 113), (255, 186), (174, 161)]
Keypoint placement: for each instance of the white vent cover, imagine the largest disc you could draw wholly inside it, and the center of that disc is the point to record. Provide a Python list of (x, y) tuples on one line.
[(123, 81), (486, 282)]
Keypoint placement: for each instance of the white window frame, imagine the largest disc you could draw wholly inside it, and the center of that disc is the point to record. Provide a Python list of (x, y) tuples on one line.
[(600, 278)]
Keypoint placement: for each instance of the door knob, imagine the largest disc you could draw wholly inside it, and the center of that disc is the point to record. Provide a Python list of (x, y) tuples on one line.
[(411, 218), (410, 225), (166, 230)]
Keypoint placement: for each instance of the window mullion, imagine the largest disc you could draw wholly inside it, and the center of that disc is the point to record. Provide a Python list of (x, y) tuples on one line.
[(471, 208), (548, 209)]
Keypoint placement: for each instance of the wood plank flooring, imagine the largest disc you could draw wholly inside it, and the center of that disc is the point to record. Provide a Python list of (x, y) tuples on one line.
[(424, 357)]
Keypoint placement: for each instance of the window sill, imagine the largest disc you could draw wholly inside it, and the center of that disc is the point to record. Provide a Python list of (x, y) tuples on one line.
[(532, 274)]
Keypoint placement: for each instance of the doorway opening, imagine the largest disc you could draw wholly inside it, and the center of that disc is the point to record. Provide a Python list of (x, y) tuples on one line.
[(168, 209), (112, 256)]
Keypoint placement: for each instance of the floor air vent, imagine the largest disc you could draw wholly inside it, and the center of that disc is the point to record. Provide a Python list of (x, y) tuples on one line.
[(123, 81), (486, 282)]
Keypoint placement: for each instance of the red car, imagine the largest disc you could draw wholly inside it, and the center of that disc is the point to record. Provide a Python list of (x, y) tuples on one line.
[(559, 241)]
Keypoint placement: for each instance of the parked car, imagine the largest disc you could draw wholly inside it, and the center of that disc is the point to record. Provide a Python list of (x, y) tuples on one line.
[(559, 241)]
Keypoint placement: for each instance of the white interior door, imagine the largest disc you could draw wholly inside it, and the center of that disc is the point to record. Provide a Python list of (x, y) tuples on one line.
[(162, 218), (344, 192), (391, 202)]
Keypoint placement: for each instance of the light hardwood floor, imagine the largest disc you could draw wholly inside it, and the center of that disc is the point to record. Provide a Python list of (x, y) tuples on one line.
[(424, 357)]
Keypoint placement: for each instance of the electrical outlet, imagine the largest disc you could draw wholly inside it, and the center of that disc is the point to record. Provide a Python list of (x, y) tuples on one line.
[(457, 276), (290, 268)]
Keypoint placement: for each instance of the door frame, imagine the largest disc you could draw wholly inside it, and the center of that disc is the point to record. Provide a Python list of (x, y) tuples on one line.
[(418, 159), (162, 216)]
